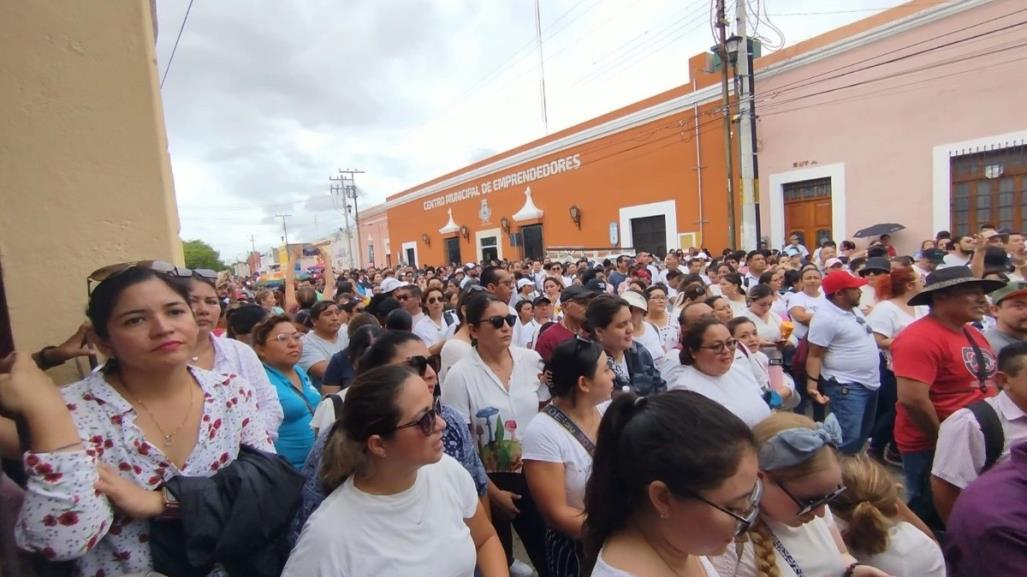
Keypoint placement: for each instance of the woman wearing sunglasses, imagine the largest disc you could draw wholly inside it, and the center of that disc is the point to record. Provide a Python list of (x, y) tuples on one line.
[(795, 533), (109, 442), (396, 348), (558, 447), (229, 356), (280, 346), (674, 480), (432, 328), (497, 389), (412, 509), (608, 321), (708, 352)]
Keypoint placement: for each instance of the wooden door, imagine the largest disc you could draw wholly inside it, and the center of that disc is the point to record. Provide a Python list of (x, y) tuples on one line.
[(808, 211), (650, 234)]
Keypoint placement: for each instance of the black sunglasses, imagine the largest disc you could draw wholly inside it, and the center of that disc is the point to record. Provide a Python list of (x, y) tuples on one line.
[(427, 421), (421, 363), (498, 320), (807, 506)]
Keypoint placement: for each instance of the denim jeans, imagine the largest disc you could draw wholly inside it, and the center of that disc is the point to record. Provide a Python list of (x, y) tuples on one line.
[(854, 406), (882, 432), (916, 468)]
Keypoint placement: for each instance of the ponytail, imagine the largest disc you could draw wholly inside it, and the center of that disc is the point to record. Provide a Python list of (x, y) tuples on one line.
[(868, 529)]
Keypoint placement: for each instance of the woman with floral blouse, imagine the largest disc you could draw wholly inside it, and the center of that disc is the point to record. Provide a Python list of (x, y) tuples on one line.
[(101, 449)]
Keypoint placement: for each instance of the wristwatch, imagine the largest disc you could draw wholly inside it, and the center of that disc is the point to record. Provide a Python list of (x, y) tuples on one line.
[(171, 505)]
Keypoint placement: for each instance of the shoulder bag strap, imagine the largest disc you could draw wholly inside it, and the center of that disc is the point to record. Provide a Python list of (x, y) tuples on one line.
[(981, 369), (572, 428), (336, 404), (991, 426), (301, 395)]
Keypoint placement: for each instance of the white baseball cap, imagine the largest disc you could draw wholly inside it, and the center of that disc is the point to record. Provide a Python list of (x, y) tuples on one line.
[(390, 284)]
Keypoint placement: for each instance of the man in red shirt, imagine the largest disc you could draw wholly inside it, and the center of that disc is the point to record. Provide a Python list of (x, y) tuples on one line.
[(942, 364), (573, 301)]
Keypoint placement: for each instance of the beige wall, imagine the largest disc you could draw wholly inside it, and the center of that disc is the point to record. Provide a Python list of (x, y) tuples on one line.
[(85, 178)]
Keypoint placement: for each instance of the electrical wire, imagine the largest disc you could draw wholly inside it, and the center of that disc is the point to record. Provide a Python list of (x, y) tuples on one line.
[(175, 47)]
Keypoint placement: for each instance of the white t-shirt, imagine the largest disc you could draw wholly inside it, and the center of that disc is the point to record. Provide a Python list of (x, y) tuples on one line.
[(888, 319), (526, 334), (498, 416), (650, 339), (960, 452), (738, 308), (910, 553), (315, 350), (603, 569), (780, 306), (431, 333), (399, 534), (669, 334), (811, 545), (548, 441), (851, 355), (452, 352), (803, 300), (737, 390), (769, 330), (954, 259)]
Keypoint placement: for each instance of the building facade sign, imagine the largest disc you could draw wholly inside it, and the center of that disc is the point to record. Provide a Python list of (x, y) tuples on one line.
[(528, 175)]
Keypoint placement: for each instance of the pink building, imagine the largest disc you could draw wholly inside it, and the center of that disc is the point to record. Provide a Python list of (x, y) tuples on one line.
[(917, 119), (374, 248)]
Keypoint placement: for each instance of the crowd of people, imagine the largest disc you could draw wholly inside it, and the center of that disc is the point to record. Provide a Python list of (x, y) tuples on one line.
[(745, 414)]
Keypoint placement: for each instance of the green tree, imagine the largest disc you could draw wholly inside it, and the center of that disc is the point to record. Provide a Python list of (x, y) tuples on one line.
[(199, 254)]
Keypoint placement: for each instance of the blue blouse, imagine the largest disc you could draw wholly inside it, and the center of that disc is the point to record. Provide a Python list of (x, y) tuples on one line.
[(295, 437)]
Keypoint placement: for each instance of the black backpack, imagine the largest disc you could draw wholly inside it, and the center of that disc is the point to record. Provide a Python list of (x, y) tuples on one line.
[(991, 426)]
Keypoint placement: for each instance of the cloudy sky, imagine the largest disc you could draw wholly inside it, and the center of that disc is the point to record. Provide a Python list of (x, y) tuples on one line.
[(266, 100)]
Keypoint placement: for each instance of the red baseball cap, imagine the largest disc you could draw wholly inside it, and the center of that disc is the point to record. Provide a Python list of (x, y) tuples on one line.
[(840, 280)]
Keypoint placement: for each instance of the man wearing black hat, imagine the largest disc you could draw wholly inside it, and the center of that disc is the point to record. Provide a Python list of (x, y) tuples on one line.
[(574, 301), (929, 261), (942, 364)]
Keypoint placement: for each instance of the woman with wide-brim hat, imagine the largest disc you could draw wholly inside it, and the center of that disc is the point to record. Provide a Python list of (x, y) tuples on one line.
[(942, 363)]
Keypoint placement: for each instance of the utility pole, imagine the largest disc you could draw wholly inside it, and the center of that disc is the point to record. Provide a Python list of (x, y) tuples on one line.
[(541, 66), (253, 244), (725, 59), (747, 132), (285, 236), (347, 190)]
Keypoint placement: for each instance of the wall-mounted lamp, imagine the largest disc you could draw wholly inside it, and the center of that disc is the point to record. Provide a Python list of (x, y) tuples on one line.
[(465, 232), (426, 239), (504, 223), (576, 215)]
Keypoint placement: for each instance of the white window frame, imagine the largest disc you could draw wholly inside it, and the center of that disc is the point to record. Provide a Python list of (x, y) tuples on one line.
[(403, 252), (496, 232), (836, 172), (667, 209), (941, 173)]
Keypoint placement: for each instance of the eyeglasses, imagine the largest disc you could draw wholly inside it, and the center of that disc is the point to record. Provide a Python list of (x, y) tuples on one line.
[(498, 320), (284, 337), (744, 520), (421, 363), (863, 323), (434, 300), (807, 506), (401, 297), (721, 346), (427, 421)]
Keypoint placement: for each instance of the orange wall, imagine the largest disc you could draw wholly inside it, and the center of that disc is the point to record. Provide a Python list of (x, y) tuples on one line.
[(649, 163)]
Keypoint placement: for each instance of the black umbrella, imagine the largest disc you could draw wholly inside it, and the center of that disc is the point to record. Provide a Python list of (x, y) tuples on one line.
[(879, 229)]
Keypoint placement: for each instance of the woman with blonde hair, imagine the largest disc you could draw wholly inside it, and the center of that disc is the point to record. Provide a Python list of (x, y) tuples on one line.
[(877, 526), (795, 534)]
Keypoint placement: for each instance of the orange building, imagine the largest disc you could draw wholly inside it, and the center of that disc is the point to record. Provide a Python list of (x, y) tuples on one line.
[(649, 176)]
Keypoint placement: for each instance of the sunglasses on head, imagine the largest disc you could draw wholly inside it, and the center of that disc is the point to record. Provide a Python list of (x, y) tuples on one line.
[(110, 271), (427, 421), (498, 320)]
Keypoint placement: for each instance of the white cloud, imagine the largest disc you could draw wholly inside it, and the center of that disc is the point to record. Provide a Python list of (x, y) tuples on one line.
[(266, 100)]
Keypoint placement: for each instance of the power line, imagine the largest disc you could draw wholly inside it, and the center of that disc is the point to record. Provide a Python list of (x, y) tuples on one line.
[(858, 10), (875, 56), (175, 47)]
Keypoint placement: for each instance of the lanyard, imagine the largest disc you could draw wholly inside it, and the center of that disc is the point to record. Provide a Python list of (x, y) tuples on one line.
[(780, 548)]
